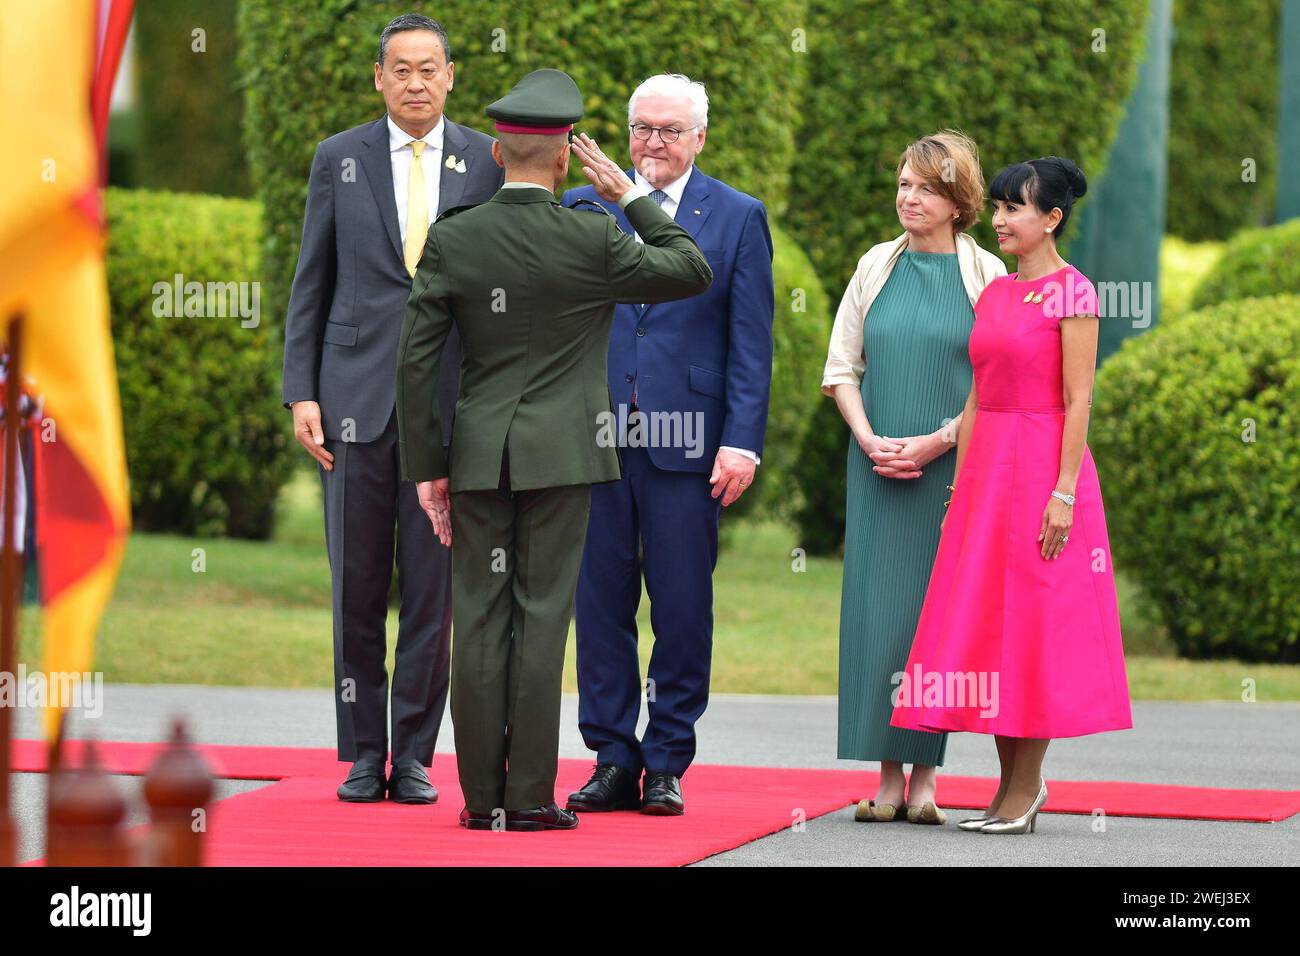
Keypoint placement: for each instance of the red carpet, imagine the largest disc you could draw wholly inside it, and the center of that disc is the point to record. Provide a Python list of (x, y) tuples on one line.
[(299, 822)]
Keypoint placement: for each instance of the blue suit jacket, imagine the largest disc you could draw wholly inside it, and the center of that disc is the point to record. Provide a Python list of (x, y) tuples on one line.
[(711, 353)]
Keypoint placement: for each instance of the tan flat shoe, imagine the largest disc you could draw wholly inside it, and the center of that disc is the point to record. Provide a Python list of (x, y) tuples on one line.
[(869, 811), (926, 813)]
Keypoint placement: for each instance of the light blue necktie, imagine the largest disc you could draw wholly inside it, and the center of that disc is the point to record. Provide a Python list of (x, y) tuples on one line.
[(659, 196)]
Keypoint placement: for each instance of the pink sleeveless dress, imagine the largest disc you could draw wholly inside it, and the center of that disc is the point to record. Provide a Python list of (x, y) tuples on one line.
[(1009, 642)]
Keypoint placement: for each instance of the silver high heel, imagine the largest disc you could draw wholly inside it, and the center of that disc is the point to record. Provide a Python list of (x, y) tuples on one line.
[(1021, 824), (974, 823)]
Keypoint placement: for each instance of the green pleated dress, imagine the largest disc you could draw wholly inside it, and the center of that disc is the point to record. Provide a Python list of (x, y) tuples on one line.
[(918, 376)]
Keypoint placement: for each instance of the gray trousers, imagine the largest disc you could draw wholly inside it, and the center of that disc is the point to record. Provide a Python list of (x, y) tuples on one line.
[(372, 517)]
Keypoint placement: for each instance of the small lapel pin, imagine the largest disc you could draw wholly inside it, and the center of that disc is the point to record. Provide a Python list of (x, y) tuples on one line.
[(460, 166), (451, 161), (1038, 298), (1028, 295), (697, 212)]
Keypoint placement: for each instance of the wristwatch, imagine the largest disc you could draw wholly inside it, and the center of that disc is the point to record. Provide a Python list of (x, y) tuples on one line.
[(1068, 499)]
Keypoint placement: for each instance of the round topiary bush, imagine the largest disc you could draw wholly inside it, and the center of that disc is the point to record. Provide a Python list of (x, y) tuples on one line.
[(207, 441), (800, 330), (1257, 262), (1196, 433), (324, 52)]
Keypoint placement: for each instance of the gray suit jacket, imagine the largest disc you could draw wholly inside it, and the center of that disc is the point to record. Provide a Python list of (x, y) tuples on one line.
[(351, 285)]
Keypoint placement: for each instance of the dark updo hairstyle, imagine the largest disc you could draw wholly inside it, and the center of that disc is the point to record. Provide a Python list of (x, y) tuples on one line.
[(1049, 183)]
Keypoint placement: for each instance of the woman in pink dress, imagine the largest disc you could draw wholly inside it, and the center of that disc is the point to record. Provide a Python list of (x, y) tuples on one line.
[(1019, 634)]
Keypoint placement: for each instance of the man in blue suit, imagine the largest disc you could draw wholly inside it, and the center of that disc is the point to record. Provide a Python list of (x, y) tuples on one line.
[(689, 381)]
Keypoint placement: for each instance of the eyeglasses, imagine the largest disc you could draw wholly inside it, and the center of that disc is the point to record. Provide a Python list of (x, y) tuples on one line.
[(667, 134)]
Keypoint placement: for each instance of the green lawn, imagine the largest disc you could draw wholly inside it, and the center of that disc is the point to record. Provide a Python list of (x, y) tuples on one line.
[(259, 615)]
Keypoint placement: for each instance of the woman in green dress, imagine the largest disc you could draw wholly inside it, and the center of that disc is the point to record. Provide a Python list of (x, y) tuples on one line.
[(899, 370)]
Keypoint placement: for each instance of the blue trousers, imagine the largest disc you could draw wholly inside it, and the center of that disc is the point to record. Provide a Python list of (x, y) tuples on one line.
[(663, 525)]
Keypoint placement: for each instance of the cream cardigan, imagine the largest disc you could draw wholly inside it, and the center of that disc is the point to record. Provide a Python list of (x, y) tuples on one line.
[(845, 363)]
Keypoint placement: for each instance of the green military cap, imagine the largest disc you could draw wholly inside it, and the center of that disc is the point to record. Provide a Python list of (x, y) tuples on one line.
[(544, 101)]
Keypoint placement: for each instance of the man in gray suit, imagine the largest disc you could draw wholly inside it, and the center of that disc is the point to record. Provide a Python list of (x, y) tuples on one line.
[(373, 192)]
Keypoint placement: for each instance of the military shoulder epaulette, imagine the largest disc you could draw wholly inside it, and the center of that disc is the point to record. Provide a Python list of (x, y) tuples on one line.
[(455, 209), (581, 203)]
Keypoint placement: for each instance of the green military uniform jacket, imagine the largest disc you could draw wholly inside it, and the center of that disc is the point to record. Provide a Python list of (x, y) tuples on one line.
[(532, 287)]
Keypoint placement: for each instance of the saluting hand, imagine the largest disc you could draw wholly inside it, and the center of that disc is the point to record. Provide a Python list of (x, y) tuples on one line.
[(605, 174), (435, 499)]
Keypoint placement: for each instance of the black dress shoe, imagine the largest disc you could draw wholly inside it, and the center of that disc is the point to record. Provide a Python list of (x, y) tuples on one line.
[(410, 784), (663, 795), (610, 788), (549, 817), (365, 783), (475, 821)]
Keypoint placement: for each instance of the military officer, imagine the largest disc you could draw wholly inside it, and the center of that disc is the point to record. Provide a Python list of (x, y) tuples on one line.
[(531, 287)]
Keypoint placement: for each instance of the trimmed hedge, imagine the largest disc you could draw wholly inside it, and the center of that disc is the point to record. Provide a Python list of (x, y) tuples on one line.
[(1183, 266), (207, 442), (1257, 262), (324, 53), (800, 331), (822, 481), (1020, 78), (1205, 519), (190, 112), (1223, 91)]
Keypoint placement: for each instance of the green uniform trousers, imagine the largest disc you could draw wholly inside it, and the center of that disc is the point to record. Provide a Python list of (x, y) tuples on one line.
[(515, 559)]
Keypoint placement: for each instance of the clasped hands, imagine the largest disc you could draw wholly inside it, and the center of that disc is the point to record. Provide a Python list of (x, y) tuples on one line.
[(902, 457)]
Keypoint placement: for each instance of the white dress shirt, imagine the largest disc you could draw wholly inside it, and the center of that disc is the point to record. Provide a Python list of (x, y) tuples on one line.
[(673, 191), (399, 146)]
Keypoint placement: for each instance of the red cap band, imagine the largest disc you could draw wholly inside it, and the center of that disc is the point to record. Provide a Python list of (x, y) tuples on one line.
[(536, 130)]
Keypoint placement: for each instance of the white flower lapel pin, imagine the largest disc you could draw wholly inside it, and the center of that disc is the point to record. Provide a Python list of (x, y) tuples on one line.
[(453, 163)]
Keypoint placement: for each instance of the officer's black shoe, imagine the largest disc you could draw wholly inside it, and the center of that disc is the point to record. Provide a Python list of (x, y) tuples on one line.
[(475, 821), (548, 817)]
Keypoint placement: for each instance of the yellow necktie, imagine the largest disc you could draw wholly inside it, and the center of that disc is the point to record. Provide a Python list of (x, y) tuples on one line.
[(417, 209)]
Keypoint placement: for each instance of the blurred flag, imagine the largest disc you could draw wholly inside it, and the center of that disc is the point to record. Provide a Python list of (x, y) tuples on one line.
[(53, 113)]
